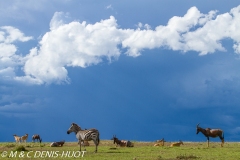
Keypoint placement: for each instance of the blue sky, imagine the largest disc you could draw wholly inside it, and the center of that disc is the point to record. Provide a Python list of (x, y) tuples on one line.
[(141, 70)]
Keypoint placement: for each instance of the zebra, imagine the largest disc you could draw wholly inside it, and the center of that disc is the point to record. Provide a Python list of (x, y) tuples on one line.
[(85, 135)]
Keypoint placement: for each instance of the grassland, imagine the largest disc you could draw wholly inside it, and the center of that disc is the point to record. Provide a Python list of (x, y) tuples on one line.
[(108, 151)]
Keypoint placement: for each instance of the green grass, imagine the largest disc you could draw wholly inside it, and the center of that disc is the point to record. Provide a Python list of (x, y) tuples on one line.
[(108, 151)]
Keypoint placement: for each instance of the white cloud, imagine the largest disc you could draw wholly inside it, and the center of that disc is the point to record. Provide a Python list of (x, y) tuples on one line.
[(73, 44), (9, 60), (14, 34), (178, 35), (170, 35), (59, 18), (78, 44)]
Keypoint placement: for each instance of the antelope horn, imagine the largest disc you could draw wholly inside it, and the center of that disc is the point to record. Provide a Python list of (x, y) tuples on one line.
[(198, 124)]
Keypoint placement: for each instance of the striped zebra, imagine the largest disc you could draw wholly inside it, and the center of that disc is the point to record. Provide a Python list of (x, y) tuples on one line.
[(85, 135)]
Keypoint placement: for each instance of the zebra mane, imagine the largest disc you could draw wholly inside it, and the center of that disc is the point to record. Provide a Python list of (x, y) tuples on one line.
[(77, 126)]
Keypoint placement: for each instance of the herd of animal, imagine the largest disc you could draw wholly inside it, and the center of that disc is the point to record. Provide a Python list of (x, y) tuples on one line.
[(208, 132), (36, 137), (161, 143), (93, 134), (24, 138)]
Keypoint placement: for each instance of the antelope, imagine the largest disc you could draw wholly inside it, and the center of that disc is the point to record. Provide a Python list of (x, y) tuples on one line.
[(24, 138), (118, 142), (122, 143), (85, 143), (159, 142), (17, 138), (177, 144), (130, 144), (208, 132), (57, 144), (36, 137)]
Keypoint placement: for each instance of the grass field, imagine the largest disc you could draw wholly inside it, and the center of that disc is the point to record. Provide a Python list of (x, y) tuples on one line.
[(108, 151)]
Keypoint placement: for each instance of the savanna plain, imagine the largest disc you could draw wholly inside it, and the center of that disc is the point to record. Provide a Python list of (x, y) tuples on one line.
[(108, 151)]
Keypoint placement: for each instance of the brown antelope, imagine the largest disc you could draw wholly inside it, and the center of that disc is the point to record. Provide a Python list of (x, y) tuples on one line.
[(36, 137), (24, 138), (208, 132), (17, 138), (122, 143), (118, 142), (85, 143), (177, 144), (159, 142)]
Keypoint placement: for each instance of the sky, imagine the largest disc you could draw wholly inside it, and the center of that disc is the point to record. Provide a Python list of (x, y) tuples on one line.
[(140, 70)]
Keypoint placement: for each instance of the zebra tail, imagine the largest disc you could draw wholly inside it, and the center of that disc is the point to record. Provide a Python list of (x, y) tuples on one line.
[(98, 140)]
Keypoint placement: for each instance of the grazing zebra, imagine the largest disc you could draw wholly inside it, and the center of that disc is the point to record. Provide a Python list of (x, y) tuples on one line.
[(85, 135)]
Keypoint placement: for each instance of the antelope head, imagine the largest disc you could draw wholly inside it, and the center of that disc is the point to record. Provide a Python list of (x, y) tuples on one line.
[(114, 139), (180, 141), (198, 130), (114, 136), (161, 140)]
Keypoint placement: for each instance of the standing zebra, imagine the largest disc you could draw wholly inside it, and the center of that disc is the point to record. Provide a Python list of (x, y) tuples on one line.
[(85, 135)]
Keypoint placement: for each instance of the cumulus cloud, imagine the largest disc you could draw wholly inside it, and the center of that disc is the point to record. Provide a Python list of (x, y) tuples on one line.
[(72, 45), (9, 60), (78, 44)]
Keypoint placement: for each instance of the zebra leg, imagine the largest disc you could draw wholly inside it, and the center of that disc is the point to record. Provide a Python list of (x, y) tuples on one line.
[(96, 144), (84, 146), (96, 148), (80, 145)]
